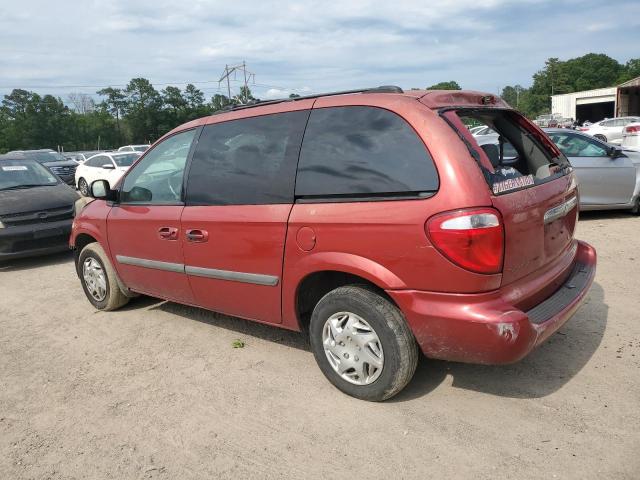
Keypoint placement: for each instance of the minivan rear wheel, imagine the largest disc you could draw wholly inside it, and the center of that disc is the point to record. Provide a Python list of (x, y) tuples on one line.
[(99, 280), (362, 343)]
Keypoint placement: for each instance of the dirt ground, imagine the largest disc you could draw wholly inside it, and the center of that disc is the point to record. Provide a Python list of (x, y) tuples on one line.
[(157, 391)]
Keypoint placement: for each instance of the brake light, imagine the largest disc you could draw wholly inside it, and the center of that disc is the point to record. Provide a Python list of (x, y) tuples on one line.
[(583, 129), (472, 239), (632, 129)]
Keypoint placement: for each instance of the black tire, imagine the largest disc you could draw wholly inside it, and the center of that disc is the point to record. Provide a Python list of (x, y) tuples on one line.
[(114, 298), (83, 187), (398, 343), (600, 137), (636, 209)]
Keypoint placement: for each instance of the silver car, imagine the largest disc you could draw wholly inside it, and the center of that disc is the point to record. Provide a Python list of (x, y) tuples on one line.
[(609, 176)]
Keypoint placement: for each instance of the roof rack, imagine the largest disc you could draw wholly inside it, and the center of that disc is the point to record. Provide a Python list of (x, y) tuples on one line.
[(260, 103)]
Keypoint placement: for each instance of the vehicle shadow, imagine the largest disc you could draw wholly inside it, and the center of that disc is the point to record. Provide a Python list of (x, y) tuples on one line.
[(605, 215), (36, 262), (541, 373), (242, 327)]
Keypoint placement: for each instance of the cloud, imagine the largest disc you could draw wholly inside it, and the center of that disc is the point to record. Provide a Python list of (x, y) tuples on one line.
[(310, 44)]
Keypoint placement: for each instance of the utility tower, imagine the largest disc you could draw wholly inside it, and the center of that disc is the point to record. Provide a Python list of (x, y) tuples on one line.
[(247, 76)]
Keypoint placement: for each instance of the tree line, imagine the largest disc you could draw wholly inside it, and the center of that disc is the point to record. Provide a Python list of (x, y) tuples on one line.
[(139, 113), (135, 114), (591, 71)]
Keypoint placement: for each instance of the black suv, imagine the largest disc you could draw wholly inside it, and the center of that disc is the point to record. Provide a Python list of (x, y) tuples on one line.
[(65, 169)]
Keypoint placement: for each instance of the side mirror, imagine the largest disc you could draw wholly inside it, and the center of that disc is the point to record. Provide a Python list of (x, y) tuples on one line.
[(108, 166), (139, 194), (615, 152), (102, 190)]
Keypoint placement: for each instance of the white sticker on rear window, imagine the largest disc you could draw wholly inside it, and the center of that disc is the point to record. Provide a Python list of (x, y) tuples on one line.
[(14, 168), (512, 184)]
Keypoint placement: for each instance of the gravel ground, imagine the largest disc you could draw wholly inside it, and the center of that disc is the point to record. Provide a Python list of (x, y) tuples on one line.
[(156, 390)]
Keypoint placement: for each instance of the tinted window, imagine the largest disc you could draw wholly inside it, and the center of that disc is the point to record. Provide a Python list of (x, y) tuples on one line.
[(578, 146), (157, 178), (98, 161), (357, 151), (250, 161), (125, 160)]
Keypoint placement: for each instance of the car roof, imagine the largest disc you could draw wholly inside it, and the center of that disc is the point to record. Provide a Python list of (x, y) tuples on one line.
[(433, 99), (16, 156)]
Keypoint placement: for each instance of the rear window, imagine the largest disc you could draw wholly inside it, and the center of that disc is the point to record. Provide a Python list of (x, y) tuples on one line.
[(520, 153), (360, 152)]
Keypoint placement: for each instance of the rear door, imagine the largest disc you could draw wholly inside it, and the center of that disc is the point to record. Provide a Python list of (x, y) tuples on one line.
[(603, 180), (536, 194), (239, 196), (94, 170), (144, 228)]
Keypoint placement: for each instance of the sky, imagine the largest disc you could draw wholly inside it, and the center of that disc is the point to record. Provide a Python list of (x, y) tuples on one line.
[(302, 46)]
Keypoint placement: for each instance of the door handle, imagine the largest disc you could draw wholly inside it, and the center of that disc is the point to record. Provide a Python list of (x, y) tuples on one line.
[(197, 235), (168, 233)]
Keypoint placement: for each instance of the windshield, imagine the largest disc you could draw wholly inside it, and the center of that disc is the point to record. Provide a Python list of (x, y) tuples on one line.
[(125, 160), (23, 174), (141, 148)]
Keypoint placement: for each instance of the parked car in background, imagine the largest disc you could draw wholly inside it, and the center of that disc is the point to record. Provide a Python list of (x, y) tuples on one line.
[(134, 148), (475, 129), (631, 136), (104, 166), (548, 120), (53, 160), (81, 157), (36, 208), (608, 175), (370, 219), (484, 131), (609, 130)]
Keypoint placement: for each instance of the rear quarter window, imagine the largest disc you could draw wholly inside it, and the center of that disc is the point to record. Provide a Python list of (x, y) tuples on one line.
[(362, 151)]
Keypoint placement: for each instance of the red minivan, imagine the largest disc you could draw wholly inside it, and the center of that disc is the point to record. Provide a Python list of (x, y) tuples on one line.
[(371, 219)]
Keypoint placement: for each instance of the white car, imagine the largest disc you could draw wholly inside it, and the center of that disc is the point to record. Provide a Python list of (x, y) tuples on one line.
[(483, 131), (609, 130), (104, 166), (631, 136), (134, 148)]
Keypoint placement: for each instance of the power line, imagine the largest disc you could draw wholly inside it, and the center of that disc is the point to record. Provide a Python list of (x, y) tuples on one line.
[(229, 69)]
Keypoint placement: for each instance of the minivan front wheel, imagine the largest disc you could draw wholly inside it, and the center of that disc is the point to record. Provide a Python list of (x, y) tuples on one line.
[(362, 343), (98, 278)]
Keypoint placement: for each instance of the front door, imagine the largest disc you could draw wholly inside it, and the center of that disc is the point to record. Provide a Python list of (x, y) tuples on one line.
[(144, 227), (602, 180), (234, 224)]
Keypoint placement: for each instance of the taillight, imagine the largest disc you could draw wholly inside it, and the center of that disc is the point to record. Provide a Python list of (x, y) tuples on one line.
[(472, 239), (632, 130), (583, 129)]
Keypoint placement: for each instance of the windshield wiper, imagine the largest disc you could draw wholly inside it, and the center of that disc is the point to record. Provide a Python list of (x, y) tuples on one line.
[(27, 185)]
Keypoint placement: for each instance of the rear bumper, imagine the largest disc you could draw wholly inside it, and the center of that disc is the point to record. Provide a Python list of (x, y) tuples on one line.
[(501, 326), (36, 239)]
